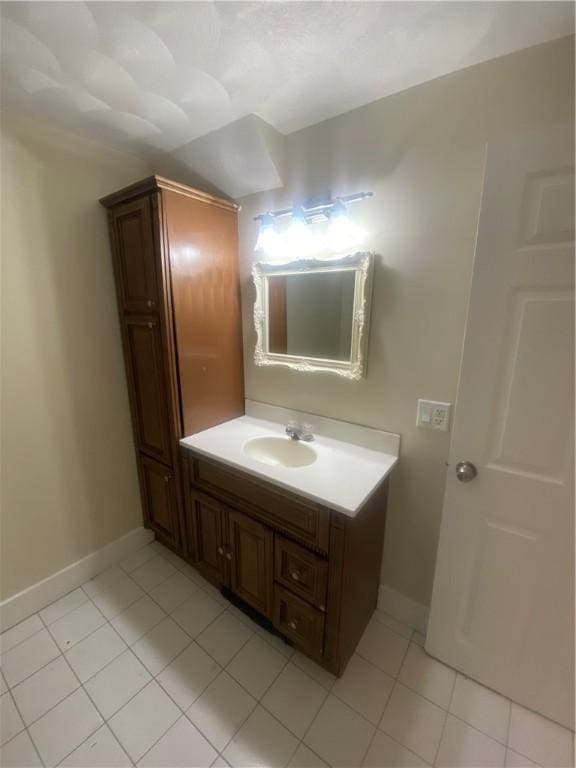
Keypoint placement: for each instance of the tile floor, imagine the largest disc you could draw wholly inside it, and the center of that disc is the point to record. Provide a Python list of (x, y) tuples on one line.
[(148, 665)]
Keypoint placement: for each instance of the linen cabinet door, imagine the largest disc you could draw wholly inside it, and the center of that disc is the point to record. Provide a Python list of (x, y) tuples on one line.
[(206, 521), (131, 227), (147, 385), (159, 498), (250, 548)]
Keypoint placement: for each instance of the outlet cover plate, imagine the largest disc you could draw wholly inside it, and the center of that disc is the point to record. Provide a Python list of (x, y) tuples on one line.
[(433, 415)]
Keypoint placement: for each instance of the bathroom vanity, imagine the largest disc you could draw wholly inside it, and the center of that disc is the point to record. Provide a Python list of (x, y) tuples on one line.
[(301, 543)]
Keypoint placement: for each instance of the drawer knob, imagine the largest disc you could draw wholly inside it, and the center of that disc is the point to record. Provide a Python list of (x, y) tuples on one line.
[(292, 625), (296, 575), (166, 478), (220, 551), (150, 303), (229, 555), (150, 325)]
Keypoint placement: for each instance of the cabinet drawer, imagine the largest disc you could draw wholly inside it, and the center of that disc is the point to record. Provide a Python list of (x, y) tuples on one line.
[(301, 571), (299, 622), (280, 509)]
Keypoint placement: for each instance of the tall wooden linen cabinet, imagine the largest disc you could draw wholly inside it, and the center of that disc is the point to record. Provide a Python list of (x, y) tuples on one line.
[(175, 255)]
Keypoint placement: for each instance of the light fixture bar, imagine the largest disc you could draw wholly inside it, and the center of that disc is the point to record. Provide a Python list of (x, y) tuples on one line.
[(315, 210)]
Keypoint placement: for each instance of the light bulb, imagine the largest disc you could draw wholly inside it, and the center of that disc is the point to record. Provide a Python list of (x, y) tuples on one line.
[(299, 238), (342, 233), (267, 234)]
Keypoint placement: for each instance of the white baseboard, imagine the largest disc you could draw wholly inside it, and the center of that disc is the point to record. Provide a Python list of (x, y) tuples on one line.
[(38, 596), (403, 608)]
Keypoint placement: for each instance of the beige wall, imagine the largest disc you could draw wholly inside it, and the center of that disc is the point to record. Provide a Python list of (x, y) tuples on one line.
[(69, 481), (421, 152)]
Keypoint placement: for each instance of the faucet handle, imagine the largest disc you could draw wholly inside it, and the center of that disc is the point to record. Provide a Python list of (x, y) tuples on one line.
[(306, 433)]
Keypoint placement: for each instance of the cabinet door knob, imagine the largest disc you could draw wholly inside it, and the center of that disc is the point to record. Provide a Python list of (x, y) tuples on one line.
[(292, 625), (150, 325), (166, 478), (220, 551), (296, 575), (229, 555), (150, 303)]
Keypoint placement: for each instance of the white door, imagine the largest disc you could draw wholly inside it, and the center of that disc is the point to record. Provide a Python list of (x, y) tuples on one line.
[(503, 602)]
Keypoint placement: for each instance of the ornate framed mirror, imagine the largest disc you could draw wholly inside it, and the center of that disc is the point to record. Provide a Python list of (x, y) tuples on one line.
[(313, 314)]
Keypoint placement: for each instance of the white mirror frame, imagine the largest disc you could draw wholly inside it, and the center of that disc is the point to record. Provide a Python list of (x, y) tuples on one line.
[(362, 264)]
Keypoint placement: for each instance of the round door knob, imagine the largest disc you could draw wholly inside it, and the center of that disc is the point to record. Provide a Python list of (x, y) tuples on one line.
[(220, 551), (465, 471), (150, 303), (229, 555), (292, 625), (296, 575)]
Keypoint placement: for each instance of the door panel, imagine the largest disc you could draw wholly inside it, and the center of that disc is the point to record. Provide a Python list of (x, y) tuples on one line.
[(133, 241), (206, 518), (160, 506), (250, 550), (503, 599), (145, 367)]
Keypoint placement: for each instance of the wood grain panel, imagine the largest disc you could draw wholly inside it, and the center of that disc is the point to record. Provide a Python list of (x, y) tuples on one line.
[(203, 247), (135, 257), (356, 547), (159, 496), (206, 524), (147, 385), (288, 512), (300, 571), (250, 549), (299, 622)]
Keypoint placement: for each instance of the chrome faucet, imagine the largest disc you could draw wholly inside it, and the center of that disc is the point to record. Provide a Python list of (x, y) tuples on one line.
[(297, 431)]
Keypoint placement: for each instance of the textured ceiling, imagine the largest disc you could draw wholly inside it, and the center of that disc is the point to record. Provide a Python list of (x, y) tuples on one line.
[(155, 76)]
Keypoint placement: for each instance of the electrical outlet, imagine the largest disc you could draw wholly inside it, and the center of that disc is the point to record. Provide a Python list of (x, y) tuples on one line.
[(433, 415)]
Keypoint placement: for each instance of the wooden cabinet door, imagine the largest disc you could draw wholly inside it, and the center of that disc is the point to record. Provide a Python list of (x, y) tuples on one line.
[(206, 519), (147, 385), (250, 547), (159, 497), (135, 256)]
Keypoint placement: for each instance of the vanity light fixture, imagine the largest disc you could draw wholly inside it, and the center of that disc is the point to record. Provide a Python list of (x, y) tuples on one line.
[(300, 240), (267, 236), (342, 233), (299, 237)]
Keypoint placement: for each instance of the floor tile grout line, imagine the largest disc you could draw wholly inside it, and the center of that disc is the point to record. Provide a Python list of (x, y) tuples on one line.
[(102, 715), (184, 713), (509, 725), (102, 725), (376, 726), (36, 747), (154, 679), (327, 694), (257, 700), (478, 730), (446, 712), (17, 708)]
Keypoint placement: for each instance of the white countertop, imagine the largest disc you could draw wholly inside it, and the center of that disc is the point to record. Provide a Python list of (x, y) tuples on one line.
[(342, 477)]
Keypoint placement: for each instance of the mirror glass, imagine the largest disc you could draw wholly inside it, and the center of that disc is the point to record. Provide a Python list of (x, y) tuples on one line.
[(310, 314)]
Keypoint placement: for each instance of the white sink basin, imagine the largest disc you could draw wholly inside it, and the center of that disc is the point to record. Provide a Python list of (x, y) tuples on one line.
[(280, 451)]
